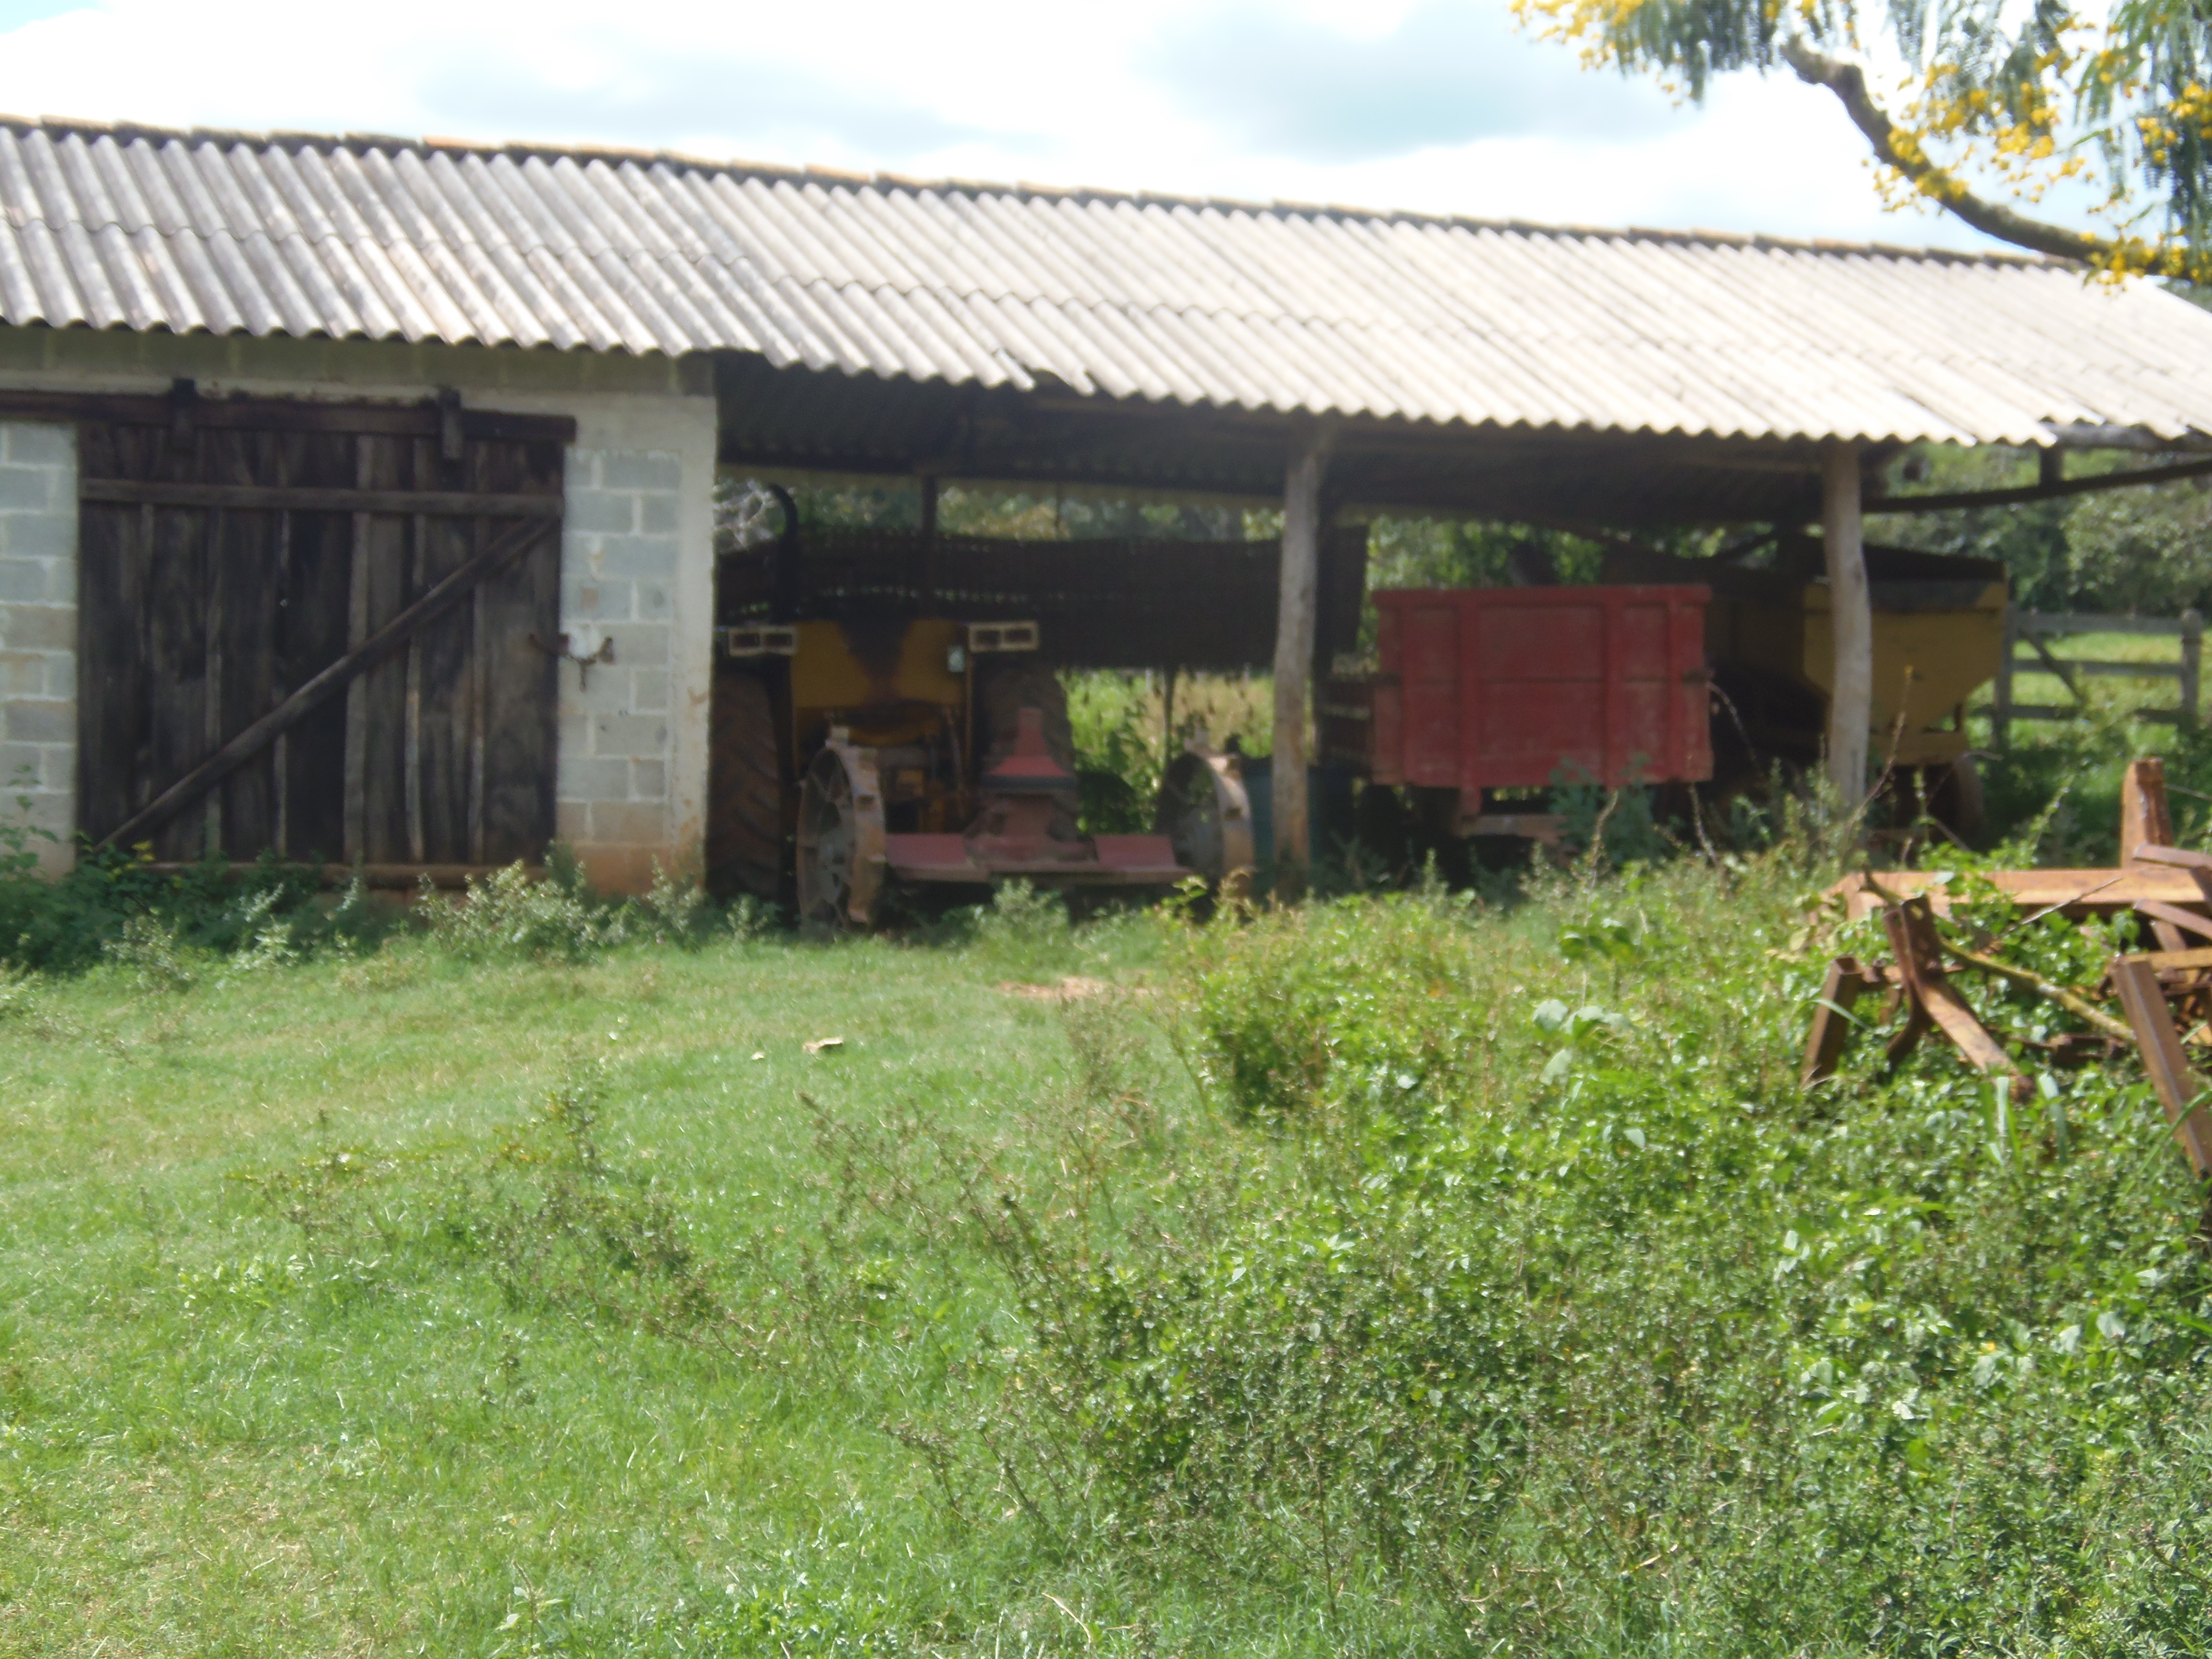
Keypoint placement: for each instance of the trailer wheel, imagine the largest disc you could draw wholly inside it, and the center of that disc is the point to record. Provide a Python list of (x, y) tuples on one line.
[(1004, 687), (1207, 816), (1379, 835), (744, 789)]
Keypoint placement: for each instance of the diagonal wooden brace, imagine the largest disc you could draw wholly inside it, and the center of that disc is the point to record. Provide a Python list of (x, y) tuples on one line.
[(1932, 999)]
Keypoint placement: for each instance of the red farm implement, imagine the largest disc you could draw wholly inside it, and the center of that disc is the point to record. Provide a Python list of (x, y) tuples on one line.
[(1517, 689)]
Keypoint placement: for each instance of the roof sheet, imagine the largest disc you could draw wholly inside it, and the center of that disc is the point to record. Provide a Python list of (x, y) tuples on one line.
[(1233, 304)]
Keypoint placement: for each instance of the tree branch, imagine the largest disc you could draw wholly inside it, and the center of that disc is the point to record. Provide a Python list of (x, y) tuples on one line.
[(1848, 82)]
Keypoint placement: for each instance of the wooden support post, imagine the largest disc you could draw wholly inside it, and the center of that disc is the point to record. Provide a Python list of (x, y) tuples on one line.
[(1311, 442), (2145, 819), (2178, 1088), (2192, 669), (1850, 619), (2000, 714)]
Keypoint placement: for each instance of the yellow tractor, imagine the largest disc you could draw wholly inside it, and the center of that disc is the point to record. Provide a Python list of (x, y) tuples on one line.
[(851, 753)]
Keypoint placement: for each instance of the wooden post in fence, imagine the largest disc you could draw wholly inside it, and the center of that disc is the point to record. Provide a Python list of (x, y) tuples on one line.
[(2192, 664), (2001, 715)]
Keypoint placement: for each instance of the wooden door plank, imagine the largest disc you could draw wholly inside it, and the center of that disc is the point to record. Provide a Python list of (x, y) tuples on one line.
[(447, 679), (314, 633), (384, 688), (521, 691), (111, 700), (411, 746), (177, 668)]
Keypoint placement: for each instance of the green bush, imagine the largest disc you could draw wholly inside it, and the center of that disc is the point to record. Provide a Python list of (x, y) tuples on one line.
[(1516, 1279)]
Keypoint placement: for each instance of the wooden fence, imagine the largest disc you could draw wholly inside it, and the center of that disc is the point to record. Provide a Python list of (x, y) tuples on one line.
[(2036, 630)]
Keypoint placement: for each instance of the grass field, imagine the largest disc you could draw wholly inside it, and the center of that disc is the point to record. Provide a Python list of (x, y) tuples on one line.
[(1391, 1276), (225, 1434)]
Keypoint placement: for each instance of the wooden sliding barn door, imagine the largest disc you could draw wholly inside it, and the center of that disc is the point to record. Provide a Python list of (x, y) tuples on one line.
[(230, 552)]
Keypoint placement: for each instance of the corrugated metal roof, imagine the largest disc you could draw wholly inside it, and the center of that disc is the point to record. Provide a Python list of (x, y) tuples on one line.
[(1275, 307)]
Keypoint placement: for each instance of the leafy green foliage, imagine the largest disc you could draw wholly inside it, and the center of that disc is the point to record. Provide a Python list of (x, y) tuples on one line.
[(1519, 1278), (2020, 98)]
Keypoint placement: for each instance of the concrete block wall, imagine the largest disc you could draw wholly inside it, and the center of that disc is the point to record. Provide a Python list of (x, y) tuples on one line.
[(38, 632), (620, 562)]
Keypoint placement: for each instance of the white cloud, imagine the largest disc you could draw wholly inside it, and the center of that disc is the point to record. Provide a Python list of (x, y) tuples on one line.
[(1427, 104)]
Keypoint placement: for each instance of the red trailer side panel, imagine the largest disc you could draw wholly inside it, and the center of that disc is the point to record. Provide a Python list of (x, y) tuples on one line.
[(1503, 688)]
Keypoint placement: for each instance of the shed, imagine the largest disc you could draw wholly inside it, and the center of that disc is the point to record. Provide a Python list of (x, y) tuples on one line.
[(436, 424)]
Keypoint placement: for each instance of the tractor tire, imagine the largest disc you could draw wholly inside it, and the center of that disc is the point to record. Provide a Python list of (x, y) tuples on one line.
[(745, 784), (1004, 689)]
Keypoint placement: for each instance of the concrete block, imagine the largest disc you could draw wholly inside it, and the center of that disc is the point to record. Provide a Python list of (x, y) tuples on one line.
[(638, 735), (580, 777), (23, 673), (572, 734), (652, 603), (649, 690), (601, 512), (604, 690), (61, 674), (648, 779), (619, 869), (22, 580), (46, 721), (39, 443), (28, 489), (49, 808), (572, 821), (22, 767), (647, 557), (631, 824), (597, 601), (38, 627), (38, 536), (641, 469), (639, 644), (658, 512)]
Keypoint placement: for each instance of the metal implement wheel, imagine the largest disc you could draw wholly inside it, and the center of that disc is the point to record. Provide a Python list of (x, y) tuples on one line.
[(1207, 818), (841, 838), (744, 788)]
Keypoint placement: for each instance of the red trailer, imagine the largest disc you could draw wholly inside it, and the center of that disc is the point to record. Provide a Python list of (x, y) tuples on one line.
[(1516, 688)]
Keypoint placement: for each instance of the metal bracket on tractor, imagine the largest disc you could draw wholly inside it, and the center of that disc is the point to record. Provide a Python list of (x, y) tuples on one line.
[(757, 640)]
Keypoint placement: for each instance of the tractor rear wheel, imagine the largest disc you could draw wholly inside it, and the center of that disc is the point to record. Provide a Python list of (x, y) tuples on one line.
[(1004, 689), (745, 806), (841, 864)]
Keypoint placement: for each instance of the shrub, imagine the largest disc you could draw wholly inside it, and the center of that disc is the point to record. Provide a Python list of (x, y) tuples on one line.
[(1517, 1276)]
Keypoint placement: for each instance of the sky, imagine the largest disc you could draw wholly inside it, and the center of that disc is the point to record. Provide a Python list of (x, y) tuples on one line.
[(1438, 105)]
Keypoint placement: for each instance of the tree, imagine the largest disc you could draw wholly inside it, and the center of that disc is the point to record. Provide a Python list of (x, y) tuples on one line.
[(1993, 99)]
